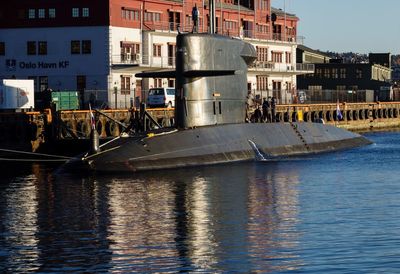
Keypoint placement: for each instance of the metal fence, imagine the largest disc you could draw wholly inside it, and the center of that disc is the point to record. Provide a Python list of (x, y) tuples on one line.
[(104, 99), (317, 96)]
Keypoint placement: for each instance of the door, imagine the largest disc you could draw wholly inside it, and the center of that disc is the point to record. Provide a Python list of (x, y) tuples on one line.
[(174, 20), (277, 86), (80, 87), (171, 54)]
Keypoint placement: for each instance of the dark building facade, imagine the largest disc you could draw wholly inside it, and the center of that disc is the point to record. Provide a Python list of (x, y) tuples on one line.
[(334, 75)]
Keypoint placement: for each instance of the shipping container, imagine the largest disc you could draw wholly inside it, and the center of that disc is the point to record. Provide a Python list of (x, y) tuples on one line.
[(65, 100)]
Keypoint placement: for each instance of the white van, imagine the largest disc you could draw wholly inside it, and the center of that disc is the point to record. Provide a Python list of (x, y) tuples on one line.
[(161, 97)]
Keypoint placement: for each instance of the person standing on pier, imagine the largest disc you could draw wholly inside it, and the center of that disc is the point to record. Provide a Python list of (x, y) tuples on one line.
[(273, 110), (257, 115), (249, 105), (265, 109)]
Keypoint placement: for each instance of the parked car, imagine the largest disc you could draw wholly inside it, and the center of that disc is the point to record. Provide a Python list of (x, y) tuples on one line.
[(161, 97)]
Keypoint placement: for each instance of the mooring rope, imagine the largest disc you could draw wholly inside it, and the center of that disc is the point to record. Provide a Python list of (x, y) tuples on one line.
[(36, 154), (32, 160)]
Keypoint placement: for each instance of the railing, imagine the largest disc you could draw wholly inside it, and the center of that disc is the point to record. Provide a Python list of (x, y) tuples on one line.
[(295, 96), (143, 60), (165, 26), (128, 59), (309, 68), (281, 67), (169, 62), (108, 99)]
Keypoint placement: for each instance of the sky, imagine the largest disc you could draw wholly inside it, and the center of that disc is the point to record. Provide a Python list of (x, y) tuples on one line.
[(361, 26)]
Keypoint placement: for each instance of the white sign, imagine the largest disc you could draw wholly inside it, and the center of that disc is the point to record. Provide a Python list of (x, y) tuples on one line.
[(16, 94)]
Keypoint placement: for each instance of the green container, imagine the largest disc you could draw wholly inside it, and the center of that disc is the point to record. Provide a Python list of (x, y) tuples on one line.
[(65, 100)]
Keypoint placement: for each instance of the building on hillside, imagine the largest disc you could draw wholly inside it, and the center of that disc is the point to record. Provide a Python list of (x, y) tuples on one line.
[(333, 77), (96, 48)]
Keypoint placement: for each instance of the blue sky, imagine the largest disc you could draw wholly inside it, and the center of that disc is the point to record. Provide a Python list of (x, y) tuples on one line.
[(361, 26)]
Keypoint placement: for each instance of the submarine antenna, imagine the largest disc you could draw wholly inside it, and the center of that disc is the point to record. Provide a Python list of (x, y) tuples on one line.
[(212, 16)]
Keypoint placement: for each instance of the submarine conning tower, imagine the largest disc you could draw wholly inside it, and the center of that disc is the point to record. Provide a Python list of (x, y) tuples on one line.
[(211, 79)]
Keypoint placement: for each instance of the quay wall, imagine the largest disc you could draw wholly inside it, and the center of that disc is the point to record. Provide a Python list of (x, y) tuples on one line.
[(29, 130), (356, 116)]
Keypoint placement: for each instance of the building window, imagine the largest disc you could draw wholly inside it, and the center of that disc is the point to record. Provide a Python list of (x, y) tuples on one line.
[(130, 51), (359, 74), (31, 48), (75, 47), (86, 46), (152, 16), (52, 13), (171, 52), (81, 83), (318, 73), (42, 48), (335, 74), (132, 15), (31, 13), (75, 12), (262, 54), (314, 88), (277, 57), (288, 57), (289, 86), (342, 73), (41, 13), (228, 25), (327, 73), (2, 48), (353, 88), (125, 85), (85, 12), (43, 83), (264, 29), (157, 82), (171, 82), (341, 87), (262, 82), (156, 50), (263, 4)]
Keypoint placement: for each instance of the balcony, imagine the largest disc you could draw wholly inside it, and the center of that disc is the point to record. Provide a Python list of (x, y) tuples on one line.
[(164, 62), (271, 67), (163, 26), (142, 61), (126, 59)]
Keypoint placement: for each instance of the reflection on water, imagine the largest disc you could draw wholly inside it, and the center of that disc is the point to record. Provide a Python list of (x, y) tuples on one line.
[(20, 224), (225, 218), (327, 213)]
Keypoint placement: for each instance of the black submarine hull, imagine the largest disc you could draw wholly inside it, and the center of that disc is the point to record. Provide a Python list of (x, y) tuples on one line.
[(220, 144)]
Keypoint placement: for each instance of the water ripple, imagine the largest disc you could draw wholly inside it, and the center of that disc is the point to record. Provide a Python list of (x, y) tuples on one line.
[(329, 213)]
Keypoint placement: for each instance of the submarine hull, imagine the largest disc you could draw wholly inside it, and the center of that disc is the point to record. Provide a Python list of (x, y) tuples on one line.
[(211, 105), (221, 144)]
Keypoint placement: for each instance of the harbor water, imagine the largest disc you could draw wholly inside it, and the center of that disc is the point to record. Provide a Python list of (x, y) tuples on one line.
[(330, 213)]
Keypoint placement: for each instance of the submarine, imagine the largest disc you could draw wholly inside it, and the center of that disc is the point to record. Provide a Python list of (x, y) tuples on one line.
[(210, 117)]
